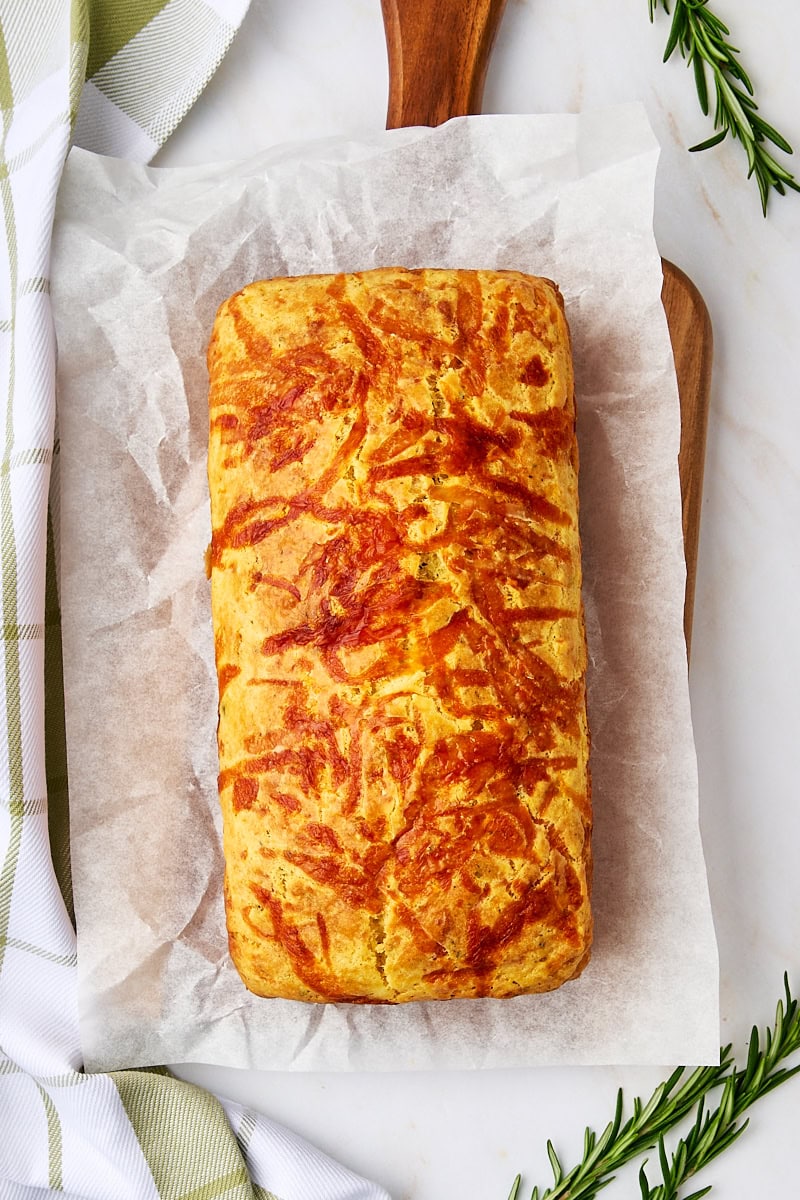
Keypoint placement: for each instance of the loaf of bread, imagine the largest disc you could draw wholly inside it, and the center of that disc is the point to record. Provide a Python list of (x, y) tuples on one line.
[(396, 595)]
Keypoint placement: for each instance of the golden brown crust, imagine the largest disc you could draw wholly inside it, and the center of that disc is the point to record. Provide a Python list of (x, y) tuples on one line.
[(399, 636)]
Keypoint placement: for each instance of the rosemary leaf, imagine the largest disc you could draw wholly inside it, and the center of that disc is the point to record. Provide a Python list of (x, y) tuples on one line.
[(701, 38), (700, 82), (712, 141)]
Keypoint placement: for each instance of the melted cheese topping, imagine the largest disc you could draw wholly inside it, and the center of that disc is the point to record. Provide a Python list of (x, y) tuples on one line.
[(395, 568)]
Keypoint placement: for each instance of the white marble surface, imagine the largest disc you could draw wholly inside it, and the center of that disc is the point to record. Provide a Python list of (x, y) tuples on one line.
[(316, 68)]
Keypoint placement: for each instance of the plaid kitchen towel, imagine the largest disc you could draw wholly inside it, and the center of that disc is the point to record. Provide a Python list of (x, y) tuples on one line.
[(132, 1133)]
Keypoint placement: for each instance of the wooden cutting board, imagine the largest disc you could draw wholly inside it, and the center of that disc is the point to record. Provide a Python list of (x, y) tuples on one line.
[(438, 54)]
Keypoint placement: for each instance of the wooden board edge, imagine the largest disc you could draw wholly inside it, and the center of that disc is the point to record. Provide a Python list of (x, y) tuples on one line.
[(693, 349)]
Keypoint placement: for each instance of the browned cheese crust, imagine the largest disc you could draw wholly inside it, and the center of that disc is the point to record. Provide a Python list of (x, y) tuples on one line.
[(400, 646)]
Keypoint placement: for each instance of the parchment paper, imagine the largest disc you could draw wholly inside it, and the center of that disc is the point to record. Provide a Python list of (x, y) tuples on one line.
[(142, 258)]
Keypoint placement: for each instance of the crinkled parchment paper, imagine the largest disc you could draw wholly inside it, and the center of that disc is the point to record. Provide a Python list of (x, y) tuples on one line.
[(142, 259)]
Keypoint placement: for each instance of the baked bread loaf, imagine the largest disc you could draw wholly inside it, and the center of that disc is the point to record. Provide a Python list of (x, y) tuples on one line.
[(396, 594)]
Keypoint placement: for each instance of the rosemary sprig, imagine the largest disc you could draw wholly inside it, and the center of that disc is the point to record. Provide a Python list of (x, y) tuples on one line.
[(713, 1131), (701, 38)]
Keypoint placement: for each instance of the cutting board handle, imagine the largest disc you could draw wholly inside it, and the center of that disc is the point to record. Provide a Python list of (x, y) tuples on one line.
[(438, 55)]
